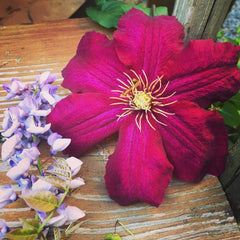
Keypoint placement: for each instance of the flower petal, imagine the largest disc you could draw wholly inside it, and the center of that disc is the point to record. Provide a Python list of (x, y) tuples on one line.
[(195, 141), (138, 170), (95, 67), (204, 72), (9, 146), (86, 119), (73, 213), (149, 43), (19, 170), (75, 165)]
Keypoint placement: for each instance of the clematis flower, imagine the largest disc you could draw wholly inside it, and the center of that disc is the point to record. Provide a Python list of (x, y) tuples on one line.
[(155, 91)]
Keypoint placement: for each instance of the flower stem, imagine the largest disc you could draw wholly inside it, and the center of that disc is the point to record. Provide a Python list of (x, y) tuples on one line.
[(55, 209), (125, 228), (38, 158)]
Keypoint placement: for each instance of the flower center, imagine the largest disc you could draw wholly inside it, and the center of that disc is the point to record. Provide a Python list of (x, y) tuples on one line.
[(142, 100), (145, 99)]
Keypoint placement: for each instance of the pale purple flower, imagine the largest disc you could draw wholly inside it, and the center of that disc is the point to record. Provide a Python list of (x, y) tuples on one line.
[(42, 185), (48, 94), (46, 78), (30, 153), (14, 88), (20, 170), (7, 195), (57, 143), (40, 113), (74, 164), (3, 228), (31, 126), (9, 146), (11, 121), (76, 182), (66, 215)]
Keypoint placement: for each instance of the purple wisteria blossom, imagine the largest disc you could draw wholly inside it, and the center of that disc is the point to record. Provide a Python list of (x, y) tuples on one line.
[(3, 228), (7, 195), (24, 126), (67, 214)]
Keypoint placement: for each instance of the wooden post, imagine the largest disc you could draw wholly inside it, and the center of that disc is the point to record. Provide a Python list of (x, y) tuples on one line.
[(202, 18)]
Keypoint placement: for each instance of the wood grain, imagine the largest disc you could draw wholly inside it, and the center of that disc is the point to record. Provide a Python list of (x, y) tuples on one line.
[(202, 18), (189, 211)]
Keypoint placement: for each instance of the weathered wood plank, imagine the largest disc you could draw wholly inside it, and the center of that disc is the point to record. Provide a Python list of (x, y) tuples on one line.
[(189, 211), (202, 18)]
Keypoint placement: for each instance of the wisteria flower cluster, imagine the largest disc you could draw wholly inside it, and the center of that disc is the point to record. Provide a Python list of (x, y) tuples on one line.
[(24, 127)]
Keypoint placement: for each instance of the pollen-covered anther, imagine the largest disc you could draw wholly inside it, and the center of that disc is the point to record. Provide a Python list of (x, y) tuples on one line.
[(142, 100)]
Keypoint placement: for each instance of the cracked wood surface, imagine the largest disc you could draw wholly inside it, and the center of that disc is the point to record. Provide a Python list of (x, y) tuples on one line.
[(189, 210)]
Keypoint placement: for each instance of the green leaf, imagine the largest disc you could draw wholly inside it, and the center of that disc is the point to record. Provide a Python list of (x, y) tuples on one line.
[(56, 181), (238, 40), (60, 168), (112, 236), (161, 11), (43, 201), (30, 223), (22, 234), (238, 29), (230, 114), (233, 41), (107, 13), (148, 11), (236, 100), (220, 34)]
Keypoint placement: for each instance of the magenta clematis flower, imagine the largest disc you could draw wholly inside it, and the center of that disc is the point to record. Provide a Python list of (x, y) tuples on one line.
[(155, 91)]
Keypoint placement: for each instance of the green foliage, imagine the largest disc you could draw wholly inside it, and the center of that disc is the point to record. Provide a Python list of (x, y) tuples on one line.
[(108, 12), (30, 223), (230, 110)]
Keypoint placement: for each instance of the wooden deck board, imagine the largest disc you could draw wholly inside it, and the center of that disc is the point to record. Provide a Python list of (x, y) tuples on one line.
[(189, 211)]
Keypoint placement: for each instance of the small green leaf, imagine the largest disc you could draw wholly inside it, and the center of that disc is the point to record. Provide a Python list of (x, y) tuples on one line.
[(56, 181), (43, 201), (233, 41), (161, 11), (22, 234), (148, 11), (238, 40), (112, 236), (230, 114), (30, 223), (220, 34), (107, 13), (238, 29)]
